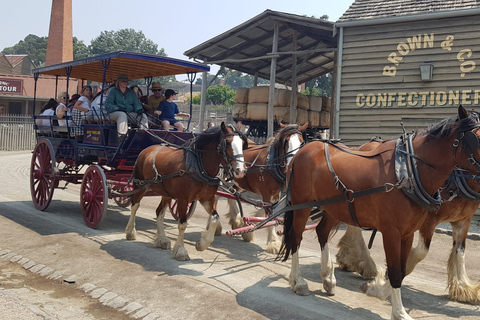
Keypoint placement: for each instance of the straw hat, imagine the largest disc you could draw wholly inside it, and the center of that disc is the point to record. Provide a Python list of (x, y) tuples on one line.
[(156, 86)]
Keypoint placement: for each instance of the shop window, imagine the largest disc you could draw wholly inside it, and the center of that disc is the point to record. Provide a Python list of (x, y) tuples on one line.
[(15, 108)]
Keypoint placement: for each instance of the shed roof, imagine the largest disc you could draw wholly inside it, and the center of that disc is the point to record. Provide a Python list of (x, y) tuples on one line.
[(15, 59), (374, 9), (248, 47)]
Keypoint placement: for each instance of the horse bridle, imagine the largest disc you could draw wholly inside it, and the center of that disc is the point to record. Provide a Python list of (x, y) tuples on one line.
[(470, 143), (222, 149), (291, 153)]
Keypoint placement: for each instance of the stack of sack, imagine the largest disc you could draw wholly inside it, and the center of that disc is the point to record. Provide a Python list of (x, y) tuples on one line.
[(252, 104)]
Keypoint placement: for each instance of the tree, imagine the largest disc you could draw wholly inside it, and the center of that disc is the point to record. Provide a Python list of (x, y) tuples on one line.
[(34, 46), (80, 50), (123, 39), (221, 95), (321, 86), (127, 40)]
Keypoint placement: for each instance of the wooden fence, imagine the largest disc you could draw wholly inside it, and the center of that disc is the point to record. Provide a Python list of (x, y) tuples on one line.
[(16, 133)]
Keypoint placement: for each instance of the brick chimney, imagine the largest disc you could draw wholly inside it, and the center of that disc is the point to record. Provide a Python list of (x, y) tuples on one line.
[(60, 34)]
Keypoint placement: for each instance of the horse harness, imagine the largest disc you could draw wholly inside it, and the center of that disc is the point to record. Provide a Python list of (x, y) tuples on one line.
[(193, 161), (407, 175)]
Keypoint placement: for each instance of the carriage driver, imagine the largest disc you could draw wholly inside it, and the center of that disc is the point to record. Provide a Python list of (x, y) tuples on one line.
[(122, 103)]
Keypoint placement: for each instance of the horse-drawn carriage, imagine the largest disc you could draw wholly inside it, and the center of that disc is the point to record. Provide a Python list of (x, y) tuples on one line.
[(99, 162)]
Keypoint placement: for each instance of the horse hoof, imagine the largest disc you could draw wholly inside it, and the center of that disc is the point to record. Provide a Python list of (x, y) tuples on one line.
[(329, 288), (180, 254), (200, 246), (301, 290), (131, 236), (273, 247), (247, 237), (163, 245)]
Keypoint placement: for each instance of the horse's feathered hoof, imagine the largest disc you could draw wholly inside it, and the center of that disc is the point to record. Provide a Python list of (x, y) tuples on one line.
[(131, 236), (163, 244), (329, 287), (180, 254), (201, 245), (273, 247), (301, 290), (247, 236)]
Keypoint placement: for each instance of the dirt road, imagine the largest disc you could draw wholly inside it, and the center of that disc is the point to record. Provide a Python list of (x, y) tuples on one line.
[(75, 272)]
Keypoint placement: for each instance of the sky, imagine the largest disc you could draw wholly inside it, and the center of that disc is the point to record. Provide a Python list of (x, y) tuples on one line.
[(176, 26)]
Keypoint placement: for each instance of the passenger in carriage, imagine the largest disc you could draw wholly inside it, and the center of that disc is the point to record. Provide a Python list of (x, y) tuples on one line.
[(143, 99), (72, 102), (167, 110), (122, 103), (82, 110), (155, 99), (98, 107), (62, 110), (47, 110)]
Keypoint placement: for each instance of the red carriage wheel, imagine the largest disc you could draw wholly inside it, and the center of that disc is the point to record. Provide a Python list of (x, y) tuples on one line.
[(42, 174), (94, 196), (123, 202), (190, 209)]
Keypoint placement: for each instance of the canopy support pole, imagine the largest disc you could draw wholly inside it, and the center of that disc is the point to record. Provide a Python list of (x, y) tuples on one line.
[(271, 91), (294, 79)]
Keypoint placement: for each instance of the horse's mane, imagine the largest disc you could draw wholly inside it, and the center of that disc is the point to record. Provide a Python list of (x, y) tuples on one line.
[(206, 137), (212, 135), (282, 134), (451, 125)]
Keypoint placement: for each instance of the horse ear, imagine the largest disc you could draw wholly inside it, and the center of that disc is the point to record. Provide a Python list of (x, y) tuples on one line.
[(462, 113), (304, 127), (282, 125), (239, 125), (223, 127)]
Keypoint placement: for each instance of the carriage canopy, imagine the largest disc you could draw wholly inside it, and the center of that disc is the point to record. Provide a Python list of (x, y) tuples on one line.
[(135, 65)]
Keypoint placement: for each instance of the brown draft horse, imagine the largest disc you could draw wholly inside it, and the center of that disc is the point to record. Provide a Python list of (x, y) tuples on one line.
[(318, 170), (353, 254), (186, 174), (265, 175)]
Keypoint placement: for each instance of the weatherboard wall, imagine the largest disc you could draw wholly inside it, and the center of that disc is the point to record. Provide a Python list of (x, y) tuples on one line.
[(380, 78)]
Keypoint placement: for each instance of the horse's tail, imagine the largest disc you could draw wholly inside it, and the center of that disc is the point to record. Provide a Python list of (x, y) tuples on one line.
[(288, 237)]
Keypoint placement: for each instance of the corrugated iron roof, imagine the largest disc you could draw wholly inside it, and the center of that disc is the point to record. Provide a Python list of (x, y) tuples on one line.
[(247, 47), (374, 9)]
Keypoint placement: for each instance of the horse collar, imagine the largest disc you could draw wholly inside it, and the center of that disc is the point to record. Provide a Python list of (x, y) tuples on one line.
[(407, 174)]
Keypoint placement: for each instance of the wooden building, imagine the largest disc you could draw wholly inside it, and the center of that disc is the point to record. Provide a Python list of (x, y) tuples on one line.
[(382, 48)]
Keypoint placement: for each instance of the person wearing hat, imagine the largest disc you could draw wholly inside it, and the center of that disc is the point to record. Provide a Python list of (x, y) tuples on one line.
[(167, 110), (82, 110), (155, 99), (122, 103)]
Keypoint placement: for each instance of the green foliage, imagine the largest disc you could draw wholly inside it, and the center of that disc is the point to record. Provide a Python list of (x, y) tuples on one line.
[(196, 99), (123, 39), (80, 50), (220, 95), (34, 46), (321, 86), (311, 92)]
